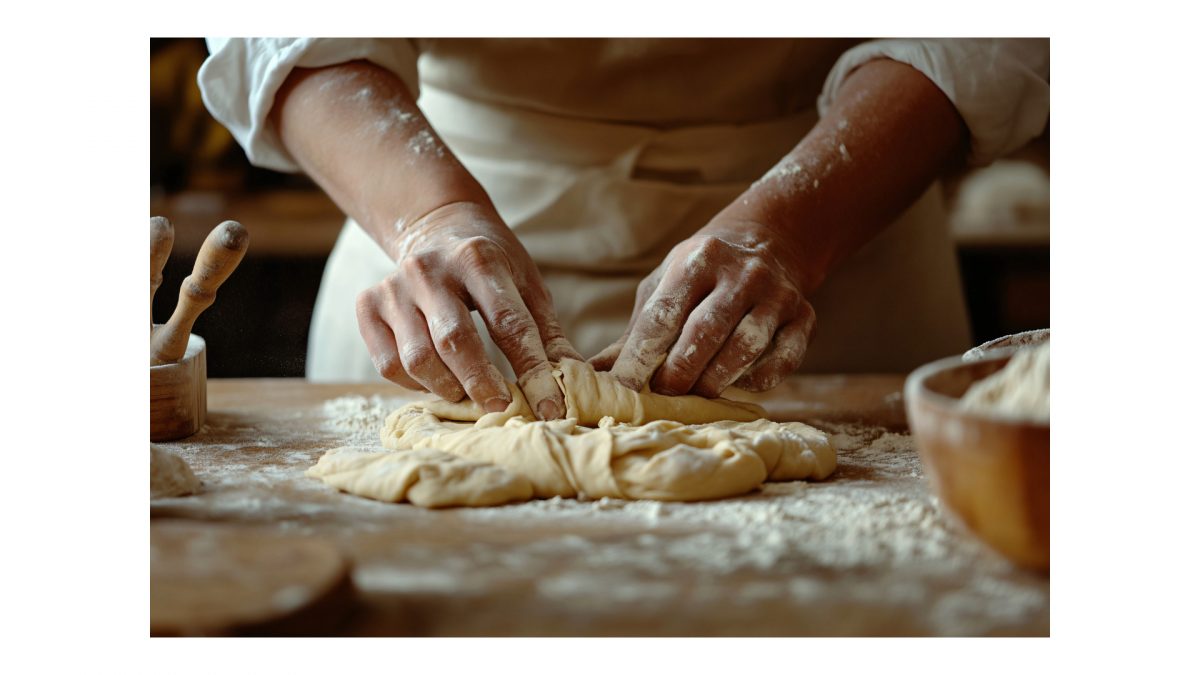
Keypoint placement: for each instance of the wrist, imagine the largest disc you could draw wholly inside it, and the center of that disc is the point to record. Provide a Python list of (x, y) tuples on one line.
[(454, 219), (394, 214)]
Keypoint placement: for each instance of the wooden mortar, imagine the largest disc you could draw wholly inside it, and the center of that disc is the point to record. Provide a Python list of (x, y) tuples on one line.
[(178, 372), (179, 394)]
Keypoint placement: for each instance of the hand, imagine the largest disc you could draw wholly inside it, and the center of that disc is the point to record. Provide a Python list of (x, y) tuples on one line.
[(725, 307), (417, 322)]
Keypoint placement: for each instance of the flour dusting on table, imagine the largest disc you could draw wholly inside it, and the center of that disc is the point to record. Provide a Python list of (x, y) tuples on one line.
[(868, 551)]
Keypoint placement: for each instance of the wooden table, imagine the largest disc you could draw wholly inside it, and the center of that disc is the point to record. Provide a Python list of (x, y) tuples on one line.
[(866, 552)]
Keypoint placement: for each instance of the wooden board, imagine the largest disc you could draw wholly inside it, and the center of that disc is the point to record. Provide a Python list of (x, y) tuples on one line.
[(208, 580)]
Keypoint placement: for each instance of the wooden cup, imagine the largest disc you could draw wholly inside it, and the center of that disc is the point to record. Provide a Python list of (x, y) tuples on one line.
[(179, 394)]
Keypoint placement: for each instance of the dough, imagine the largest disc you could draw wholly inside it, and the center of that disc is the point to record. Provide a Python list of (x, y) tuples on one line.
[(1020, 389), (170, 476), (614, 443), (592, 396)]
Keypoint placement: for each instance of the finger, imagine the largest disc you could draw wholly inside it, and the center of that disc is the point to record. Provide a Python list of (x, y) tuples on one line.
[(516, 334), (554, 340), (381, 344), (608, 356), (418, 355), (455, 339), (657, 327), (784, 356), (706, 330), (605, 359), (748, 341)]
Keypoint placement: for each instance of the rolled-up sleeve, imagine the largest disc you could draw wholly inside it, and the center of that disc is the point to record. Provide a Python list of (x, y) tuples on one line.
[(239, 80), (1001, 87)]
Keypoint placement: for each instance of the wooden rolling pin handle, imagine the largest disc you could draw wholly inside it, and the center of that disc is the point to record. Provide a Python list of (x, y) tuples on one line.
[(162, 238), (218, 257)]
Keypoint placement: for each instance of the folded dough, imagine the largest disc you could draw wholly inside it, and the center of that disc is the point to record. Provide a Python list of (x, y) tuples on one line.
[(614, 443)]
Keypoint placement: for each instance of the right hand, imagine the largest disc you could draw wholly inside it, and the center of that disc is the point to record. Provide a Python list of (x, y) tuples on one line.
[(417, 322)]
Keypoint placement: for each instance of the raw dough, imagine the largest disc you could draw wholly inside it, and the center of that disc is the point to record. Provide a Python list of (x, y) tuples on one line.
[(643, 446), (1020, 389), (170, 476)]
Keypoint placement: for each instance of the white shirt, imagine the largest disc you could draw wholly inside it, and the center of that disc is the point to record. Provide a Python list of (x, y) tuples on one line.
[(572, 139), (1001, 87)]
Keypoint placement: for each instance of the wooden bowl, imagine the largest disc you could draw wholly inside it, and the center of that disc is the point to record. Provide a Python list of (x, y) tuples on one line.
[(179, 394), (990, 471)]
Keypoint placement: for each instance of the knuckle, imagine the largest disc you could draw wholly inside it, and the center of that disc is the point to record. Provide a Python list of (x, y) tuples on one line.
[(722, 315), (662, 313), (709, 246), (417, 357), (448, 336), (365, 303), (477, 252), (756, 273), (510, 324), (419, 265), (390, 367), (744, 348), (789, 296)]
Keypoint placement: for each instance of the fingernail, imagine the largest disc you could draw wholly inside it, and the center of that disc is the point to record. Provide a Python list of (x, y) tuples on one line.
[(496, 405), (548, 410)]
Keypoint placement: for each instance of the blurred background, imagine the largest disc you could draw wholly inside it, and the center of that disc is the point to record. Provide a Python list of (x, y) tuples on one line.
[(199, 176)]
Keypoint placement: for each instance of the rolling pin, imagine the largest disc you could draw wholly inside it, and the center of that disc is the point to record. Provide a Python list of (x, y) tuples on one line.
[(162, 238), (220, 254)]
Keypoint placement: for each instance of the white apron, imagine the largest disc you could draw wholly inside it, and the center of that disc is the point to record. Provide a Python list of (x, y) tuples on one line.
[(599, 205)]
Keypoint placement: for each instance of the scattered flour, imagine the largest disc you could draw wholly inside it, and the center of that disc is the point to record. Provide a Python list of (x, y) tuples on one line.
[(360, 417), (866, 551)]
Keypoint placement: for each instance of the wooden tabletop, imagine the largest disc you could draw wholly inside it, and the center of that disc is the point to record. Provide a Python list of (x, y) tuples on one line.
[(866, 552)]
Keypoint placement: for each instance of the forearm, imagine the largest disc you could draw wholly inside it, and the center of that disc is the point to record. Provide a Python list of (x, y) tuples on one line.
[(889, 134), (356, 130)]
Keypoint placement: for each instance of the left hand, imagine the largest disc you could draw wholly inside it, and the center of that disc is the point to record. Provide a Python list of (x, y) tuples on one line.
[(725, 307)]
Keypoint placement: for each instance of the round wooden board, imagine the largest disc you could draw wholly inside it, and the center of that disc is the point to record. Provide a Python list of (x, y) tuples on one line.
[(208, 579)]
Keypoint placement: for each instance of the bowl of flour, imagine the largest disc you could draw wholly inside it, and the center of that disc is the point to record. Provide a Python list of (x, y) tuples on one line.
[(982, 428)]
